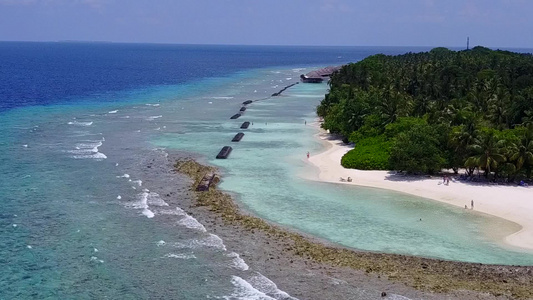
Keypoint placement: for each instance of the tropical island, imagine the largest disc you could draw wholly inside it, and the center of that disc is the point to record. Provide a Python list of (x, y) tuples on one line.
[(377, 114), (465, 116), (422, 112)]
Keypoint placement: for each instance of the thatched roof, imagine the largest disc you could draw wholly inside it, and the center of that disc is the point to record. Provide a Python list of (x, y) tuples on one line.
[(325, 72)]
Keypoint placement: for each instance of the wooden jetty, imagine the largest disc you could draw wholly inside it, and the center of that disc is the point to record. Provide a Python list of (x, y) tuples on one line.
[(247, 102), (224, 152), (243, 109), (237, 137), (205, 183), (235, 116), (245, 125)]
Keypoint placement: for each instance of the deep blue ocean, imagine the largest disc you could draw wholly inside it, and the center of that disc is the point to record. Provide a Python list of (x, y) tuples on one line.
[(90, 206), (50, 73)]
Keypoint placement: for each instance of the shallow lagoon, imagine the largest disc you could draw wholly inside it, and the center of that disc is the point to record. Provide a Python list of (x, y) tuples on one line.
[(263, 173)]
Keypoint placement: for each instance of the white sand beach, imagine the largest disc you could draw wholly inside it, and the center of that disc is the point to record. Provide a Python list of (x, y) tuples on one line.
[(513, 203)]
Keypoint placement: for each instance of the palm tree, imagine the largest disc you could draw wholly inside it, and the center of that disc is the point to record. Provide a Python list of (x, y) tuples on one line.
[(498, 107), (488, 148), (465, 134), (528, 118), (521, 153)]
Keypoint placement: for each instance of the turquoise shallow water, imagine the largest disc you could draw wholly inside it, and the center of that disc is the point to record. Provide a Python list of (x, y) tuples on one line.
[(263, 173), (84, 217)]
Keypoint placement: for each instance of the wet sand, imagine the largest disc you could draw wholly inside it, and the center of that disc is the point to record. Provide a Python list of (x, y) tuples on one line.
[(310, 268)]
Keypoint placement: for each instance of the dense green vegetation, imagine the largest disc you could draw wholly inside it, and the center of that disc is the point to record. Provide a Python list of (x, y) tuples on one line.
[(371, 154), (421, 112)]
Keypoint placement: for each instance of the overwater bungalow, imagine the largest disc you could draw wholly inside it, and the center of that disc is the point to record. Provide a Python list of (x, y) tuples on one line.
[(318, 76)]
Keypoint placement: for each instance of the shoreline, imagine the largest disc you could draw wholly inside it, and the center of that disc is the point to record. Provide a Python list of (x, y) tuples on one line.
[(512, 203), (307, 267)]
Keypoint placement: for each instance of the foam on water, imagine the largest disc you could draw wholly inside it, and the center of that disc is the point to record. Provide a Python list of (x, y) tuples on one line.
[(96, 259), (238, 262), (88, 150), (142, 204), (211, 240), (175, 212), (148, 213), (145, 200), (245, 291), (154, 199), (151, 118), (80, 123), (222, 98), (191, 223), (267, 286), (181, 255)]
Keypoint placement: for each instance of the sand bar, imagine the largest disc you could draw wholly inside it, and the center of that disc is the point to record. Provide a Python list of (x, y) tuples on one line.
[(513, 203)]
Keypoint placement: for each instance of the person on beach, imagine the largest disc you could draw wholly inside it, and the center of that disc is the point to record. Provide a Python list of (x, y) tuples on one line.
[(305, 122), (472, 204), (307, 154)]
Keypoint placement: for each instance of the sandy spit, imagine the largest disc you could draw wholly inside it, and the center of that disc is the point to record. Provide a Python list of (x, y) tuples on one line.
[(513, 203), (310, 268)]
